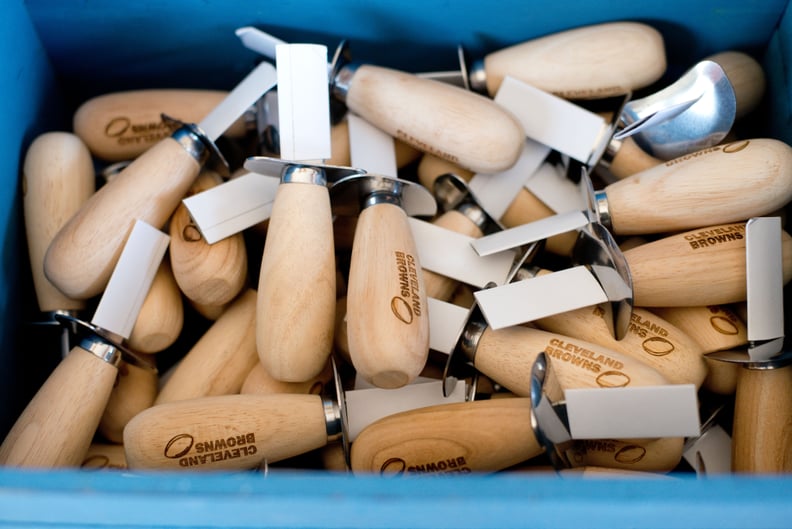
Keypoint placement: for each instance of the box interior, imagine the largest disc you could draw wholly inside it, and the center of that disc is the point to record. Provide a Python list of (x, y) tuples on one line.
[(58, 54)]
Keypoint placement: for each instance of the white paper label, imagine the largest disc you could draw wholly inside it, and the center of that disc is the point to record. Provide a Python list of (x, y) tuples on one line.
[(633, 412), (233, 206), (130, 282), (303, 102), (370, 148)]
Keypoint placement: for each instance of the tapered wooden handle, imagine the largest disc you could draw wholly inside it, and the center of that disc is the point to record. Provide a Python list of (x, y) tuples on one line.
[(207, 274), (585, 63), (221, 359), (649, 339), (448, 121), (229, 432), (57, 426), (725, 183), (83, 254), (507, 356), (58, 177), (705, 266), (526, 207), (387, 317), (762, 430), (134, 391), (439, 286), (480, 436), (260, 382), (746, 76), (161, 317), (297, 284), (631, 159), (647, 455), (122, 125)]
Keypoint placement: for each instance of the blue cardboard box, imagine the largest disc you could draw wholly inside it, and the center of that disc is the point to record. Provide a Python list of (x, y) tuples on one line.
[(56, 54)]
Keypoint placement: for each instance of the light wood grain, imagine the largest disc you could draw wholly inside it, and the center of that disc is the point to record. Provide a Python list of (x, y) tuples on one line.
[(83, 254), (448, 121), (295, 312), (161, 318), (58, 424), (249, 429), (387, 317), (590, 62), (57, 179), (134, 391)]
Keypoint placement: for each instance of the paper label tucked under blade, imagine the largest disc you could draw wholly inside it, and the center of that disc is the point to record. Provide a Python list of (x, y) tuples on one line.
[(130, 282), (634, 412), (450, 254), (539, 297), (233, 206)]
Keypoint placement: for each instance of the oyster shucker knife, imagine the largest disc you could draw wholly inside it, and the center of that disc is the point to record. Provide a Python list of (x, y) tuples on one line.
[(83, 253)]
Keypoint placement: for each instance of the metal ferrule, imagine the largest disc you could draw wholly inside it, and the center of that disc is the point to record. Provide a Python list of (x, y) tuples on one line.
[(333, 421), (477, 77), (302, 174), (343, 80), (601, 203), (610, 152), (381, 197), (476, 215), (102, 349), (471, 336), (192, 143)]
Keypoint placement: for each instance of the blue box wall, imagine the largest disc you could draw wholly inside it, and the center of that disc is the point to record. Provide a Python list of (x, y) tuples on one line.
[(57, 54)]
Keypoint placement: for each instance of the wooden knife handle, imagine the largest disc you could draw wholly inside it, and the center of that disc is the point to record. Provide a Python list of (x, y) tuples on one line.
[(649, 339), (746, 76), (58, 424), (475, 436), (208, 274), (590, 62), (448, 121), (762, 429), (134, 391), (83, 254), (647, 455), (122, 125), (387, 316), (705, 266), (228, 432), (715, 328), (439, 286), (630, 159), (507, 356), (57, 178), (221, 359), (297, 284), (161, 317), (104, 456), (724, 183), (260, 382), (431, 166)]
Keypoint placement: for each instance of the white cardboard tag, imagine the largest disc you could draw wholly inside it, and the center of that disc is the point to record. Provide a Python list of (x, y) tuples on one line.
[(530, 232), (233, 206), (370, 148), (551, 120), (550, 185), (765, 289), (450, 254), (495, 192), (446, 322), (303, 102), (712, 450), (365, 406), (129, 284), (539, 297), (633, 412)]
